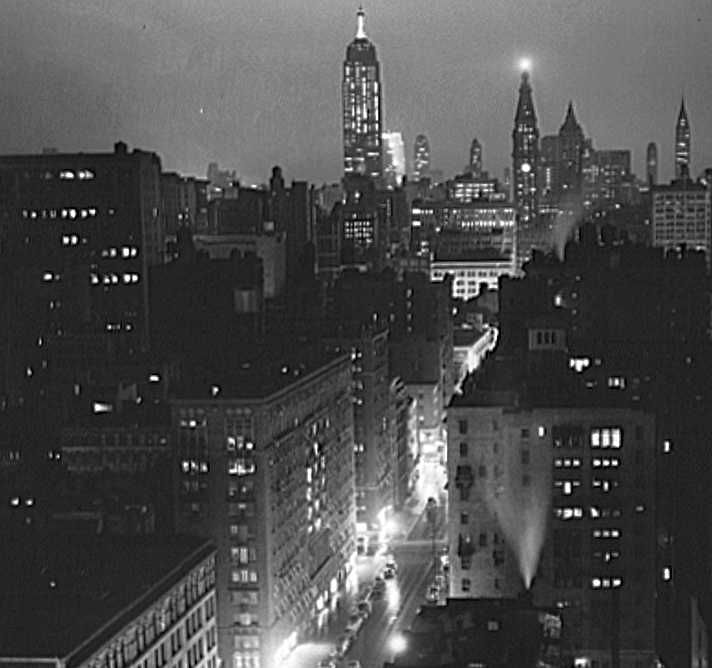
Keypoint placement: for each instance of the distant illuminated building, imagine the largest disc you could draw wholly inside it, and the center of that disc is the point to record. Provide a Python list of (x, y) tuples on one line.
[(682, 143), (525, 152), (421, 158), (475, 157), (651, 164), (682, 216), (548, 172), (393, 159), (361, 95)]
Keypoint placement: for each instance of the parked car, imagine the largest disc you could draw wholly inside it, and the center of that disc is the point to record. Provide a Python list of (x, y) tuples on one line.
[(342, 645), (326, 663), (391, 563), (364, 608), (433, 594), (440, 581), (379, 582), (388, 573), (353, 664), (355, 623)]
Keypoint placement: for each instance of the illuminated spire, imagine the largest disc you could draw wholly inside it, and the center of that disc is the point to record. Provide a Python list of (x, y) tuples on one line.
[(360, 23)]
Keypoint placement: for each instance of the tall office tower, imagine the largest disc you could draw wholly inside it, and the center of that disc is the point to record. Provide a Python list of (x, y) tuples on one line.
[(393, 159), (361, 95), (571, 141), (475, 167), (651, 164), (525, 154), (682, 143), (421, 158)]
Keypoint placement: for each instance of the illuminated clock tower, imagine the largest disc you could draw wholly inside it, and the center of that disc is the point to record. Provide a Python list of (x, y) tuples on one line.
[(525, 153)]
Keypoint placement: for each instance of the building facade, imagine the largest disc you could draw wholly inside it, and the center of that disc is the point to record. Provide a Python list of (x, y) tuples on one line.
[(559, 499), (265, 468), (362, 117), (681, 216)]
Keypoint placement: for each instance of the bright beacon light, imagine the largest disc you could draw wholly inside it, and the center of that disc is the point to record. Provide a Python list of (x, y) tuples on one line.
[(525, 64)]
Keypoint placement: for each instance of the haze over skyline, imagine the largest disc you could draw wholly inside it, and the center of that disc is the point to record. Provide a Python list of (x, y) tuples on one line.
[(258, 83)]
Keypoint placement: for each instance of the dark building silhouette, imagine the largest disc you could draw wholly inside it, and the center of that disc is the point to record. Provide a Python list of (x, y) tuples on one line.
[(651, 164), (475, 164), (571, 140), (630, 332), (362, 107), (682, 143)]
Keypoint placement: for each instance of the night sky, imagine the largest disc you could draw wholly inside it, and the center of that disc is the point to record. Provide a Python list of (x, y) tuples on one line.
[(253, 83)]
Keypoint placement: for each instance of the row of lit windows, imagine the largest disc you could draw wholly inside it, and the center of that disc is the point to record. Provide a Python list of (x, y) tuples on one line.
[(124, 252), (606, 463), (567, 462), (113, 279), (606, 583), (193, 466), (72, 213), (606, 533), (606, 438)]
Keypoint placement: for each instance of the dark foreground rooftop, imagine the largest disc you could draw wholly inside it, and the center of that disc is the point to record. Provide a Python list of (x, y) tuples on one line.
[(58, 590)]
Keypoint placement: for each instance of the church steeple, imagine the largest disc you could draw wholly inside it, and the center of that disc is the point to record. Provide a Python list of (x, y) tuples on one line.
[(682, 143), (525, 105)]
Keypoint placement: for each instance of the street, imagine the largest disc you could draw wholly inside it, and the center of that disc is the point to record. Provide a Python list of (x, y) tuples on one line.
[(404, 594)]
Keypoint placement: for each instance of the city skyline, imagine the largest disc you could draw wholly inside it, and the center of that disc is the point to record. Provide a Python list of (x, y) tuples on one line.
[(172, 78)]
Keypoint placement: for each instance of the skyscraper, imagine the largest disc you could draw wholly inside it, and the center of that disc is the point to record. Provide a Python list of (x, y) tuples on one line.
[(393, 159), (525, 153), (361, 95), (475, 158), (570, 154), (651, 164), (421, 158), (682, 143)]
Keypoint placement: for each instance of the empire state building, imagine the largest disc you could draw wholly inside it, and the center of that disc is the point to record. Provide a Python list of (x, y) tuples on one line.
[(361, 94)]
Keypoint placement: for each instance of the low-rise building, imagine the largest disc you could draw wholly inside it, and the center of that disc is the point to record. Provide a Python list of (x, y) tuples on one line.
[(94, 602)]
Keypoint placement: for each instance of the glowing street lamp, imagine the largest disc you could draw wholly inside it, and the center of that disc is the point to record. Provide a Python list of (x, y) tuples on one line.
[(525, 64), (398, 643)]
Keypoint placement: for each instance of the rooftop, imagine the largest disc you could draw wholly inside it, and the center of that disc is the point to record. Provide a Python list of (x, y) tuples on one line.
[(59, 590), (261, 373)]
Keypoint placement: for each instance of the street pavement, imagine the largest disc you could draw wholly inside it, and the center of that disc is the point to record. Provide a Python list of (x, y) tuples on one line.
[(412, 547)]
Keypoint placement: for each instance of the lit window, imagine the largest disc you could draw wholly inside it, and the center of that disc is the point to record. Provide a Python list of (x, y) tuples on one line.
[(66, 174), (667, 446), (667, 573)]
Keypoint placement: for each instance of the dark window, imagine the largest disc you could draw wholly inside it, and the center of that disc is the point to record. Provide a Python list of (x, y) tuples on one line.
[(526, 480), (462, 426), (525, 456), (525, 433), (463, 449), (464, 518), (482, 471), (483, 539)]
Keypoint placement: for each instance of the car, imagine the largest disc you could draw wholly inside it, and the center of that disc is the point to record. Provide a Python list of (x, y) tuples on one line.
[(364, 608), (391, 563), (342, 645), (440, 581), (378, 582), (355, 663), (326, 663), (388, 573), (433, 595), (355, 622)]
